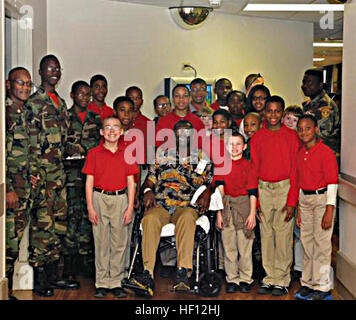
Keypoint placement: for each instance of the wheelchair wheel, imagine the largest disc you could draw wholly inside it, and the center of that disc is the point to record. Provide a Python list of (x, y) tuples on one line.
[(210, 284)]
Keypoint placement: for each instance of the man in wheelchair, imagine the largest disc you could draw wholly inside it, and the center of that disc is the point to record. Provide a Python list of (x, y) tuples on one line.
[(168, 189)]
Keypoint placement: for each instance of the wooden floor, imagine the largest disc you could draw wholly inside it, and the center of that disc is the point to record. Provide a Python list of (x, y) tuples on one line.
[(163, 290)]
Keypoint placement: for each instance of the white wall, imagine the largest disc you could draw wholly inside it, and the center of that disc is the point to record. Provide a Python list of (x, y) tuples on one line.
[(39, 35), (348, 134), (346, 270), (140, 45)]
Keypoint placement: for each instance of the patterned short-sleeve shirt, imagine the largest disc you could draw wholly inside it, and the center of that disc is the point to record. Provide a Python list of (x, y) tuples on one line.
[(176, 179)]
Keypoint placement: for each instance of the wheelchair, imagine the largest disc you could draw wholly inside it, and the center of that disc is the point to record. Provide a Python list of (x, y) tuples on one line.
[(205, 280)]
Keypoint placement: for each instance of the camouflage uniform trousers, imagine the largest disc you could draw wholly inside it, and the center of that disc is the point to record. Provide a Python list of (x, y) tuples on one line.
[(79, 235), (48, 224), (16, 222)]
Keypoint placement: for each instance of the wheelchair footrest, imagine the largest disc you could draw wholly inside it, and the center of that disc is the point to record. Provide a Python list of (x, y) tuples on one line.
[(136, 287)]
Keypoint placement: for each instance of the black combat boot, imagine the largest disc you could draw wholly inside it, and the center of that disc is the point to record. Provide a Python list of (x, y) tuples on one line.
[(69, 272), (53, 277), (41, 286)]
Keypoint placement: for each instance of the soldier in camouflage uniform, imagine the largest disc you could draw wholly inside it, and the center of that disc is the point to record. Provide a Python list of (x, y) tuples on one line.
[(84, 130), (48, 121), (323, 108), (18, 189)]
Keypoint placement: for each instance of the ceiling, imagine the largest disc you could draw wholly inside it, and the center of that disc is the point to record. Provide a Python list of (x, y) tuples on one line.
[(235, 7)]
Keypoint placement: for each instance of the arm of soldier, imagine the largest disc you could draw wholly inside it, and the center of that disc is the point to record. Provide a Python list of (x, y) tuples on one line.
[(12, 200), (11, 196), (131, 195), (35, 125), (89, 184)]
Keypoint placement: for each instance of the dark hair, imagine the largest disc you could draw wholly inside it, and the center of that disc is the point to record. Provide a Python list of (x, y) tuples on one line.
[(276, 99), (97, 77), (46, 58), (308, 117), (180, 86), (122, 99), (14, 70), (259, 87), (129, 89), (198, 81), (251, 78), (221, 80), (182, 123), (318, 73), (224, 113), (159, 97), (236, 133), (76, 85), (295, 110), (237, 92)]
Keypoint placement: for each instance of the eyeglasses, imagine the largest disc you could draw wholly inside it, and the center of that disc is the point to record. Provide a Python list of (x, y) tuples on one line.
[(114, 127), (54, 69), (163, 105), (259, 98), (22, 83)]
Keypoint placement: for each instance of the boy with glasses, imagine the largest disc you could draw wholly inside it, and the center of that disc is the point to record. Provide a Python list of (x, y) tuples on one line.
[(110, 200), (162, 107)]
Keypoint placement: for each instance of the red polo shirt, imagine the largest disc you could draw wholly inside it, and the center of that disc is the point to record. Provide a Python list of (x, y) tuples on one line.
[(215, 148), (241, 178), (110, 170), (104, 111), (273, 154), (316, 168), (169, 120), (215, 106)]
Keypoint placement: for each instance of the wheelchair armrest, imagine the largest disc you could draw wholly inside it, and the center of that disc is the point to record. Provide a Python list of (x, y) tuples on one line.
[(204, 223)]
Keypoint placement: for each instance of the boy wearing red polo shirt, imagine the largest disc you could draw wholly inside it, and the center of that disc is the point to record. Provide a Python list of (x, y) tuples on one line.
[(180, 99), (110, 208), (317, 182), (273, 152), (238, 219), (99, 90), (222, 88), (140, 121)]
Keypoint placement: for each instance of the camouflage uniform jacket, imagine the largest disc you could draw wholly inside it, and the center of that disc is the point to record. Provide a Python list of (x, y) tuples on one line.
[(17, 150), (85, 135), (327, 114), (48, 137)]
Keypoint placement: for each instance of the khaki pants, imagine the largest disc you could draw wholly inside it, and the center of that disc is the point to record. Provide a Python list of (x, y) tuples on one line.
[(152, 224), (276, 234), (238, 269), (110, 239), (316, 241)]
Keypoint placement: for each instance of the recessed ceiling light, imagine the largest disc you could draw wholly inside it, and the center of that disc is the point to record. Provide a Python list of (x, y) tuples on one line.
[(293, 7), (328, 44)]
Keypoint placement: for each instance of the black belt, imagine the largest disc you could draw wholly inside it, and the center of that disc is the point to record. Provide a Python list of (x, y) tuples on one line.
[(110, 193), (319, 191)]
